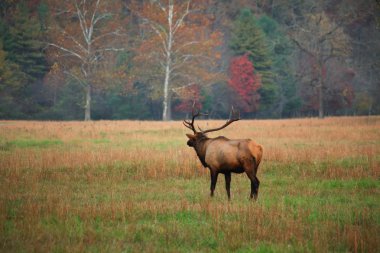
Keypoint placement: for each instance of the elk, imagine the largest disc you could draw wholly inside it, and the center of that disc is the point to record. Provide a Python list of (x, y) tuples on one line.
[(222, 155)]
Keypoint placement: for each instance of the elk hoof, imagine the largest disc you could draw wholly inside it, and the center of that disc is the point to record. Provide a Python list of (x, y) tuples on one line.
[(254, 197)]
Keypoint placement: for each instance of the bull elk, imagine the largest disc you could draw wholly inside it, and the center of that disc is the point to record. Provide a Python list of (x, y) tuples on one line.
[(222, 155)]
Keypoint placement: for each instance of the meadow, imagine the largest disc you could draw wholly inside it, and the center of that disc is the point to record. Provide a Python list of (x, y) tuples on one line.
[(131, 186)]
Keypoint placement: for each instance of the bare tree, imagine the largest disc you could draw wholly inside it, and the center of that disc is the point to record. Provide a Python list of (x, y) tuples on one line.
[(321, 39), (83, 33), (177, 43)]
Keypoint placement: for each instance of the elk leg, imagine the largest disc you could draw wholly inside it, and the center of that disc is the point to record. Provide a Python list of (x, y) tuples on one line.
[(214, 178), (227, 176), (251, 169), (255, 183), (256, 186)]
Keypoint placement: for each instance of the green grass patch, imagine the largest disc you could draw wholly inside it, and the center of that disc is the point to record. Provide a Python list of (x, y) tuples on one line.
[(31, 143), (167, 144), (100, 141), (359, 184)]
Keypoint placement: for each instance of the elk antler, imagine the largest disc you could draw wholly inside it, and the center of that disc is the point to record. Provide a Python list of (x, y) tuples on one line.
[(234, 116), (189, 124), (194, 114)]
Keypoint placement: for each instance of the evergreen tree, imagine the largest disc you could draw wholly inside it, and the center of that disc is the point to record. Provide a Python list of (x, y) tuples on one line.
[(23, 42), (248, 38), (287, 102), (10, 83), (25, 61)]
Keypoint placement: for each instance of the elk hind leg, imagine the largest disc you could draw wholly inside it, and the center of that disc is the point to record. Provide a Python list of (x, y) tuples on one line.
[(255, 183), (250, 169)]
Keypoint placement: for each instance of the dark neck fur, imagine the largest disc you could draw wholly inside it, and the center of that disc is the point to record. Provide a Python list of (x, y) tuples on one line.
[(200, 148)]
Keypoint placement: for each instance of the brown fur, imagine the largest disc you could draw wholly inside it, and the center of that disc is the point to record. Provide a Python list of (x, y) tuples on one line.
[(222, 155)]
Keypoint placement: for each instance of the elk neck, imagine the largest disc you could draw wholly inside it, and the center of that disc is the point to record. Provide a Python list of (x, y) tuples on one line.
[(200, 147)]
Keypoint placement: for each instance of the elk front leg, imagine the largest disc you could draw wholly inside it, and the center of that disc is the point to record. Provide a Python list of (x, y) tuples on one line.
[(214, 178), (227, 176)]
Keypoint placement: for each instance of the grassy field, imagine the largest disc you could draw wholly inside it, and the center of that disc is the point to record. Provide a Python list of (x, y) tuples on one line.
[(129, 186)]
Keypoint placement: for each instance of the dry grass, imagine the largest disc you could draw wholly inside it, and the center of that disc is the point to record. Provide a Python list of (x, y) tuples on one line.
[(136, 186)]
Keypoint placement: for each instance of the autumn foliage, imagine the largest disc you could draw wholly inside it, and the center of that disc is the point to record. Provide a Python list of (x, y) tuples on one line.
[(190, 97), (245, 82), (179, 47)]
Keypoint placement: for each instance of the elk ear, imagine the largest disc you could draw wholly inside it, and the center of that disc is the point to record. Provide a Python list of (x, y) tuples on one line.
[(190, 136)]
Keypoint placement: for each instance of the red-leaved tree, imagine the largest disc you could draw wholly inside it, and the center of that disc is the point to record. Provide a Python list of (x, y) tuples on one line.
[(245, 82)]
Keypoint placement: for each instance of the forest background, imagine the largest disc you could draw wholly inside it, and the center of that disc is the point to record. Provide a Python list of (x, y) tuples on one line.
[(125, 59)]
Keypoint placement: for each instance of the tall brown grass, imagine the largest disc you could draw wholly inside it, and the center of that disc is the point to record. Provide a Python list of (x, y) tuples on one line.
[(121, 171)]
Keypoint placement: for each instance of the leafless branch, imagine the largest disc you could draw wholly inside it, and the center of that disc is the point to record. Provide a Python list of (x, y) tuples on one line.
[(71, 52)]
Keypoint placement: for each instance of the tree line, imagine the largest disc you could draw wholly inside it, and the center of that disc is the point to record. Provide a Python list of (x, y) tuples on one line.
[(129, 59)]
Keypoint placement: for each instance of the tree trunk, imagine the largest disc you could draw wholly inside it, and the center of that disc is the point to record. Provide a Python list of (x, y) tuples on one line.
[(321, 87), (166, 103), (166, 114), (87, 108), (320, 100)]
